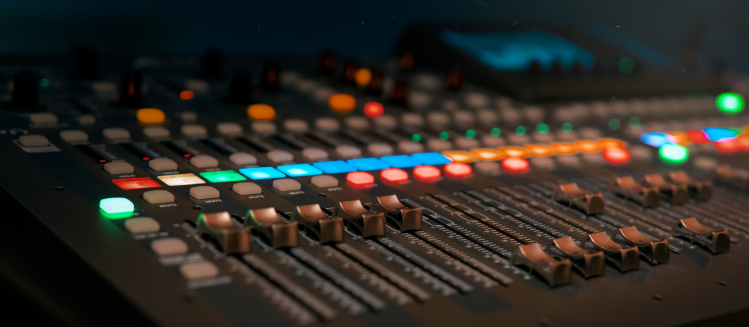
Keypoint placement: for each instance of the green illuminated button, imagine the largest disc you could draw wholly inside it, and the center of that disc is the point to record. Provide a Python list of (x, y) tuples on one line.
[(672, 153), (116, 206), (222, 176), (731, 103)]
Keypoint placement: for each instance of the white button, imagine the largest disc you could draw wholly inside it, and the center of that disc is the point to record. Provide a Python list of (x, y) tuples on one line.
[(356, 122), (450, 105), (515, 139), (246, 188), (419, 100), (543, 138), (705, 163), (204, 161), (73, 135), (412, 119), (463, 142), (193, 130), (264, 127), (114, 133), (492, 141), (33, 140), (43, 118), (569, 161), (488, 167), (169, 246), (162, 164), (328, 124), (119, 167), (463, 117), (534, 114), (188, 117), (280, 156), (590, 132), (87, 120), (487, 116), (158, 196), (287, 184), (314, 154), (198, 270), (439, 145), (197, 85), (510, 115), (544, 163), (324, 181), (228, 128), (477, 100), (348, 151), (295, 125), (204, 192), (410, 147), (437, 118), (242, 158), (386, 122), (155, 131), (142, 225), (380, 149)]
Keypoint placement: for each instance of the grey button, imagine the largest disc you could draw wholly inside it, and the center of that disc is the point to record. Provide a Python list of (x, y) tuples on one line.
[(324, 181), (155, 131), (437, 118), (169, 246), (73, 135), (118, 168), (463, 117), (87, 120), (242, 159), (410, 147), (158, 196), (314, 154), (515, 139), (188, 116), (162, 164), (247, 188), (386, 122), (348, 151), (492, 141), (280, 156), (43, 118), (287, 184), (193, 130), (204, 192), (412, 119), (488, 167), (142, 225), (204, 161), (380, 149), (463, 142), (439, 145), (114, 133), (328, 124), (229, 128), (198, 270), (356, 122), (264, 127), (33, 140), (544, 163), (295, 125)]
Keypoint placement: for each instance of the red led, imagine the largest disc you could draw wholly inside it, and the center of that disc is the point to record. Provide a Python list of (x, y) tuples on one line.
[(373, 109), (616, 156), (394, 175), (136, 183), (515, 165), (697, 137), (427, 174), (458, 170), (729, 146), (360, 178)]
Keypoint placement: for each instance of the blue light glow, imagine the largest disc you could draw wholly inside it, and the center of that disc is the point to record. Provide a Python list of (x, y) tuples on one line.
[(334, 167), (656, 139), (299, 170), (401, 161), (431, 158), (369, 164), (262, 173), (717, 134)]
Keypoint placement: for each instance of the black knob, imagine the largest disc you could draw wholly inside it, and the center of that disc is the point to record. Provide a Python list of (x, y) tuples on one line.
[(269, 78), (86, 63), (213, 64), (535, 69), (556, 68), (349, 71), (130, 89), (407, 61), (577, 68), (240, 87), (327, 62), (25, 90), (375, 83)]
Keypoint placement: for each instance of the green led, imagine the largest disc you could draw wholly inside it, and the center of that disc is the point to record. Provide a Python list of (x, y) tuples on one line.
[(416, 138), (634, 122), (470, 133), (626, 65), (614, 124), (495, 132), (444, 136), (542, 128), (567, 128), (222, 176), (672, 153), (44, 82), (520, 130), (116, 207), (731, 103)]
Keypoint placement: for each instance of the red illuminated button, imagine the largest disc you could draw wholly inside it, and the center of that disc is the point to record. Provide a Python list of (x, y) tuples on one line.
[(427, 174), (728, 146), (515, 165), (743, 141), (394, 175), (359, 178), (458, 170), (616, 156), (697, 137), (373, 109), (136, 183)]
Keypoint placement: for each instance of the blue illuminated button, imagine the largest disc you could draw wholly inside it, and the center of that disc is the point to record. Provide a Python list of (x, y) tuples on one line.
[(299, 170), (401, 161), (431, 158), (262, 173), (717, 134), (334, 167), (368, 164)]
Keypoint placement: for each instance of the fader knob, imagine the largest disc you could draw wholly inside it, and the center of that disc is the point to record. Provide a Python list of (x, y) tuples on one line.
[(130, 89), (240, 87), (213, 64), (25, 90), (86, 63)]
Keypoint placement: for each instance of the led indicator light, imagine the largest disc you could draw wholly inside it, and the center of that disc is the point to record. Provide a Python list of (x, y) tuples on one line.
[(150, 116), (731, 103), (362, 77), (542, 128), (614, 124), (616, 156), (394, 175), (416, 138), (427, 174), (368, 164), (515, 165), (444, 136), (488, 154), (520, 130), (222, 176), (431, 158), (672, 153), (728, 146), (373, 109), (634, 122), (341, 102), (540, 150), (458, 170), (470, 133), (717, 134), (262, 173), (117, 207), (697, 137), (514, 151), (401, 161), (460, 156), (136, 183), (360, 178), (567, 128), (334, 167), (181, 179), (299, 170), (495, 132), (186, 95), (261, 112)]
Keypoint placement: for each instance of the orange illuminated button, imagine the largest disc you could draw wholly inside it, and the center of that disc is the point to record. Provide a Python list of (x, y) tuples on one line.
[(540, 150), (743, 141), (427, 174), (341, 102), (360, 178), (488, 154), (394, 175), (458, 170), (373, 109), (186, 95), (362, 77), (515, 165), (564, 148), (680, 138), (616, 156), (459, 156), (612, 143), (261, 112), (589, 146), (514, 151), (728, 146), (150, 116)]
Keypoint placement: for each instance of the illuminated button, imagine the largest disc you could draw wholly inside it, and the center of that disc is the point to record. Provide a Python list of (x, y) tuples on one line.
[(324, 181), (334, 167), (169, 246), (155, 131), (263, 128), (188, 117), (515, 152), (362, 77), (72, 135), (438, 119), (228, 128), (564, 148), (427, 174), (198, 270), (328, 124), (33, 140), (296, 125), (158, 196), (431, 158), (401, 161), (439, 145), (412, 119), (162, 164), (136, 183), (341, 102), (261, 173), (142, 225), (697, 137), (727, 146), (368, 164), (261, 112), (150, 116), (118, 168), (204, 161), (373, 109), (458, 170), (459, 156), (114, 133), (43, 118), (386, 122), (314, 154), (515, 165), (181, 179), (204, 192), (193, 130), (280, 156), (348, 151), (187, 95), (589, 146), (356, 122), (410, 147), (246, 188), (299, 170), (488, 167), (463, 142), (716, 134), (87, 120), (287, 185), (614, 143), (493, 141), (616, 156), (116, 205), (488, 154), (360, 178), (380, 149), (222, 176), (394, 175), (242, 158), (540, 150)]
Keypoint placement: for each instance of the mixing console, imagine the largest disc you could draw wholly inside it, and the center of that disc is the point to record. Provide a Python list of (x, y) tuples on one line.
[(319, 192)]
